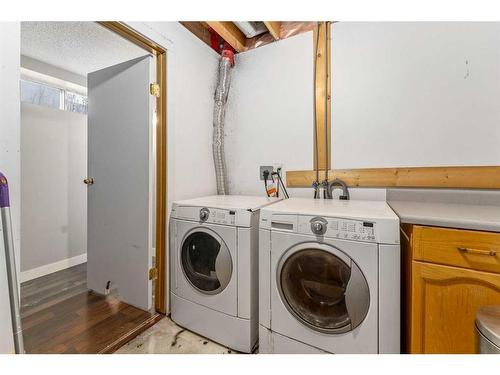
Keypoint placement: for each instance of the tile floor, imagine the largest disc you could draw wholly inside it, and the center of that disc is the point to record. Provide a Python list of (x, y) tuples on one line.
[(165, 337)]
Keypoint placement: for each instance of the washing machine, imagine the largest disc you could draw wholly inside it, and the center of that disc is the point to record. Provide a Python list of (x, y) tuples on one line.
[(329, 277), (213, 267)]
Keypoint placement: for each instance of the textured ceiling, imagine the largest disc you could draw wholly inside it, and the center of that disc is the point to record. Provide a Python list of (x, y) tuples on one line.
[(79, 47)]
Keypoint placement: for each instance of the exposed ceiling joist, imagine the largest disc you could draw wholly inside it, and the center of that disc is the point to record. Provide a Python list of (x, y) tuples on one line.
[(234, 33), (274, 28), (199, 29), (230, 33)]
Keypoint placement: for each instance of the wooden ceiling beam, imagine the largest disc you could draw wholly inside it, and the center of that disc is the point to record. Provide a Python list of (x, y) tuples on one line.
[(230, 33), (274, 28), (199, 29)]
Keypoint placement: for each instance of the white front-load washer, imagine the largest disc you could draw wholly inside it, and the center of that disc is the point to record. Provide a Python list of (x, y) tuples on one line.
[(329, 277), (213, 267)]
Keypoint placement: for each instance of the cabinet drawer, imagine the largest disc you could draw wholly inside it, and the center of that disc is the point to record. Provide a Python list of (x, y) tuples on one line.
[(455, 247)]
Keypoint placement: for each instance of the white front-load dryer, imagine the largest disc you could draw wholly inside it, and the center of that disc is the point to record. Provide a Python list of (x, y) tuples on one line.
[(206, 268), (329, 277), (213, 268)]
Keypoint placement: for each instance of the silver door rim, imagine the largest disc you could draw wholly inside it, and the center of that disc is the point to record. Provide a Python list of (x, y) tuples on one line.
[(223, 248), (316, 246)]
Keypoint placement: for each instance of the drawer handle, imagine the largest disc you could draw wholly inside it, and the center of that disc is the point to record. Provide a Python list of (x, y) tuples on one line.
[(490, 253)]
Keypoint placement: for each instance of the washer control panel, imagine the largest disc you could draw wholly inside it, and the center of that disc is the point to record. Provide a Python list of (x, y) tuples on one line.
[(217, 216), (338, 228)]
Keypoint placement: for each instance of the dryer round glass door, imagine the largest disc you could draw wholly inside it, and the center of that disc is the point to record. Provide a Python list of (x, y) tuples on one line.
[(206, 261), (323, 288)]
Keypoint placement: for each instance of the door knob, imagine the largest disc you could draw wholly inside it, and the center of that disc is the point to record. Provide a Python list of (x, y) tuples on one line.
[(89, 181)]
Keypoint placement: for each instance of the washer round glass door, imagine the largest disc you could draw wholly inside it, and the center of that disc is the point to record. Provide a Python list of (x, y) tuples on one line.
[(323, 288), (206, 261)]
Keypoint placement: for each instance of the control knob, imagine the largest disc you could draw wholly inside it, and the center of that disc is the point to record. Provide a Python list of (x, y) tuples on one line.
[(204, 214), (319, 225)]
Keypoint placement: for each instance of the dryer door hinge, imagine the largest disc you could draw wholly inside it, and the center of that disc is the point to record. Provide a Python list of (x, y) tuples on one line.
[(153, 273), (154, 89)]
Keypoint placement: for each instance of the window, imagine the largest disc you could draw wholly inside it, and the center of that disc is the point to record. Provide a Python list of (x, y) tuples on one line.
[(74, 102), (37, 93), (53, 97)]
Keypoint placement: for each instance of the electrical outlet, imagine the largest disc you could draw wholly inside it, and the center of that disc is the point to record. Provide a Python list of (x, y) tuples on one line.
[(277, 167), (268, 168)]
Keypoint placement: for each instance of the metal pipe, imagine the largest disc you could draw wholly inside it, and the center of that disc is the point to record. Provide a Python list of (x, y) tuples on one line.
[(338, 183), (221, 93), (11, 265)]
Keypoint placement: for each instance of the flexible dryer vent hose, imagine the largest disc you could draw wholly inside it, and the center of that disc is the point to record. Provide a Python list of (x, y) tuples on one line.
[(221, 93)]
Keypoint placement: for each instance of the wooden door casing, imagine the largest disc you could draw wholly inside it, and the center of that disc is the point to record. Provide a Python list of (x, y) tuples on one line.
[(444, 305)]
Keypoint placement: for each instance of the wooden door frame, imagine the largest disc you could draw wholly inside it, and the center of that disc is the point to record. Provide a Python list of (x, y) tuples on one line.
[(160, 54)]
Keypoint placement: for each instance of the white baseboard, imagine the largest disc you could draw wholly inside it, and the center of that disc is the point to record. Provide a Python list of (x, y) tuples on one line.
[(52, 267)]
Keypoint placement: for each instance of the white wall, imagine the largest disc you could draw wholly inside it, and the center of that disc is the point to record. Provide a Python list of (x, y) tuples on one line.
[(402, 95), (269, 118), (54, 198), (77, 190), (10, 159), (191, 76), (415, 94)]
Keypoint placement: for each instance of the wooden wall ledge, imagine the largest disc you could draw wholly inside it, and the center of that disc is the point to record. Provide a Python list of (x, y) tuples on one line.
[(485, 177)]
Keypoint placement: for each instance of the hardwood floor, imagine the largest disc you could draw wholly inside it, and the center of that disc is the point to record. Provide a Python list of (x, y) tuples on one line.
[(48, 290), (59, 315)]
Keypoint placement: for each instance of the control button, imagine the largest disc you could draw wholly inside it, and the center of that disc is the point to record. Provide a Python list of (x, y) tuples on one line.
[(204, 214)]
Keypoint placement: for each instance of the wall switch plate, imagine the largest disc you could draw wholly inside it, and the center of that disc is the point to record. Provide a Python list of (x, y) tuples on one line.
[(268, 168)]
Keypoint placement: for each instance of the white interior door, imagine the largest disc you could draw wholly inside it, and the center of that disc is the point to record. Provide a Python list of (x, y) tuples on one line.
[(121, 164)]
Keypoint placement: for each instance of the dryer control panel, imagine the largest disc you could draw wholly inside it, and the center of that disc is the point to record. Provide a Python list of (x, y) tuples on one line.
[(338, 228), (218, 216)]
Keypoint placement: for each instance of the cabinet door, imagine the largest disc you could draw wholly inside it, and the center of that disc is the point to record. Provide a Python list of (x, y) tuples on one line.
[(445, 302)]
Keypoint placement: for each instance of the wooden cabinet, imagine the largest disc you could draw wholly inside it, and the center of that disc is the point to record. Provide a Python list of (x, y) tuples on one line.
[(455, 247), (446, 285)]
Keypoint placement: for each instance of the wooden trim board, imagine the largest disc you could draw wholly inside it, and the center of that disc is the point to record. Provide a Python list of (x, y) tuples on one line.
[(131, 35), (161, 185), (323, 128), (485, 177), (129, 336)]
